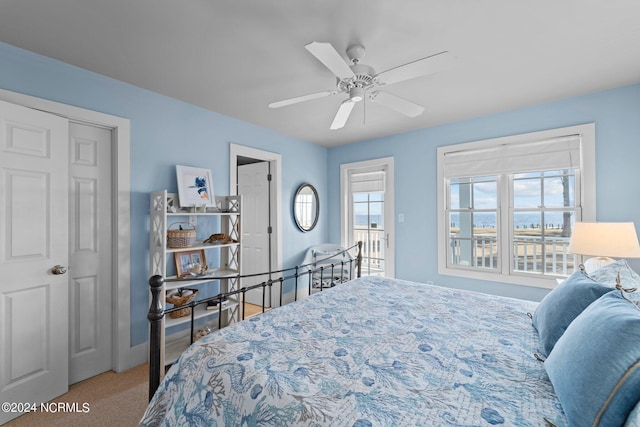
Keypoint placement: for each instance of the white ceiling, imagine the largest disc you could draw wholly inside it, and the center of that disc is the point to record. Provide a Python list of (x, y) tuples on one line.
[(236, 56)]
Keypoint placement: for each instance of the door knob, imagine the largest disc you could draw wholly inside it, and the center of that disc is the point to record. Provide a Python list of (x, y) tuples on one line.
[(58, 269)]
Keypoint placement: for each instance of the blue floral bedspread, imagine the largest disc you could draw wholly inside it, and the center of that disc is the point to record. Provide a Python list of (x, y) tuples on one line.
[(371, 352)]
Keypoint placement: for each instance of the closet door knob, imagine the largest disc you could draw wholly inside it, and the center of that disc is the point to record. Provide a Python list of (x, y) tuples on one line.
[(58, 269)]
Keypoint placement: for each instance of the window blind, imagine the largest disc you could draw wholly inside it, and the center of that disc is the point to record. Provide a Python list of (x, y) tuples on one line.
[(549, 154), (367, 182)]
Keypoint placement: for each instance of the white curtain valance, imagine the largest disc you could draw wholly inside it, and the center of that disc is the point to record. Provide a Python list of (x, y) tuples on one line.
[(367, 182), (550, 154)]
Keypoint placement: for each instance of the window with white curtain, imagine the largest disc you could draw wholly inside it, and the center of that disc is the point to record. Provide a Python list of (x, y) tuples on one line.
[(507, 205)]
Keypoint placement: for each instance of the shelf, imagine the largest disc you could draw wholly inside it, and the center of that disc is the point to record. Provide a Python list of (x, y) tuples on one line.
[(226, 219), (200, 312), (217, 274), (202, 245), (177, 342), (175, 345), (201, 213)]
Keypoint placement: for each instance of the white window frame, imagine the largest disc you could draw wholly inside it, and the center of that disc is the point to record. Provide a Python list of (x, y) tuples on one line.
[(586, 186)]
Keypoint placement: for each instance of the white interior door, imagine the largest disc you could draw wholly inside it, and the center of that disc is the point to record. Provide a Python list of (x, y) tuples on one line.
[(33, 239), (254, 188), (90, 234)]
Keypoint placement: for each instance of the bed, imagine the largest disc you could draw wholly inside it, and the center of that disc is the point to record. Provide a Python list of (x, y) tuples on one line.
[(329, 265), (377, 352)]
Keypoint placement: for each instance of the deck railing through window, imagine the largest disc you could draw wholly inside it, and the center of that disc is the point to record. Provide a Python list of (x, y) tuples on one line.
[(530, 253), (372, 249)]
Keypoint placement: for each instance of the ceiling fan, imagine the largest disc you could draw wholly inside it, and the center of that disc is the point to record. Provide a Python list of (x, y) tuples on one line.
[(359, 80)]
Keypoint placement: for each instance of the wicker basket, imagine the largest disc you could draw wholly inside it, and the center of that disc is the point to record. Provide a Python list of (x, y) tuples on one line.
[(181, 238), (177, 300)]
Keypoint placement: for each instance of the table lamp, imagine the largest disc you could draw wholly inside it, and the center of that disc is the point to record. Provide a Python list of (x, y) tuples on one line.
[(603, 240)]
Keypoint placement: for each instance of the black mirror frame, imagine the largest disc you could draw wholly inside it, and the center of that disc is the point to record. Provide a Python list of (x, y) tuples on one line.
[(317, 210)]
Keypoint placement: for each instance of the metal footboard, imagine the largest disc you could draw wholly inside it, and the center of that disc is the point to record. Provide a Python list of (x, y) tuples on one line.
[(297, 274)]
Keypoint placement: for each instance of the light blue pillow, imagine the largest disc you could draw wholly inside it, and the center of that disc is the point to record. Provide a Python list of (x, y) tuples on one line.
[(628, 278), (595, 365), (563, 304), (634, 417)]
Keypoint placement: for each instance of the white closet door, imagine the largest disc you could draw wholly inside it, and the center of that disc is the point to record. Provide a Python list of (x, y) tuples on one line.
[(90, 273), (33, 239)]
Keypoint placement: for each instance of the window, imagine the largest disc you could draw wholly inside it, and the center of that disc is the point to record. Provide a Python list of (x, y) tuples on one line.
[(544, 211), (368, 227), (507, 205), (473, 215)]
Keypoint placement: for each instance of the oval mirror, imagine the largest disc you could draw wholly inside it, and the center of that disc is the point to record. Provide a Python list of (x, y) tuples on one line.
[(306, 207)]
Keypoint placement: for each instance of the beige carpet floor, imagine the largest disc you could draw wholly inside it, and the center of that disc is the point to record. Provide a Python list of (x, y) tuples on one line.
[(113, 400)]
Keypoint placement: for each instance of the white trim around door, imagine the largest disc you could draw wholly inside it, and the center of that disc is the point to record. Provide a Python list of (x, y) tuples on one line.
[(384, 165)]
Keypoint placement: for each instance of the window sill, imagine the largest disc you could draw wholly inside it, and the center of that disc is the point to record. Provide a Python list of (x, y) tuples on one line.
[(547, 282)]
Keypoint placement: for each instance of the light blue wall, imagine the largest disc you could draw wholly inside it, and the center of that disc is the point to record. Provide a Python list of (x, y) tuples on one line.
[(166, 132), (616, 114)]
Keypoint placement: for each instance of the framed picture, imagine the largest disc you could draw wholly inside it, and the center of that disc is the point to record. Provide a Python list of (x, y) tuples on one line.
[(172, 202), (195, 187), (186, 261)]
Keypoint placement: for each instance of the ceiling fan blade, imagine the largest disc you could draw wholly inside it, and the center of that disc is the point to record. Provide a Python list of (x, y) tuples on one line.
[(396, 103), (421, 67), (331, 59), (302, 98), (342, 115)]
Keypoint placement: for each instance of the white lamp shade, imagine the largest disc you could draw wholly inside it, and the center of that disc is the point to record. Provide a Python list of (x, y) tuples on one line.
[(605, 239)]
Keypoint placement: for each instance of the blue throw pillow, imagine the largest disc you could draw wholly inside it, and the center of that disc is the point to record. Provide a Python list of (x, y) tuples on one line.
[(595, 365), (634, 417), (628, 278), (563, 304)]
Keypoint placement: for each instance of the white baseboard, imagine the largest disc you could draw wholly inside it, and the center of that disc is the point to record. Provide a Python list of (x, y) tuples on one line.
[(135, 356)]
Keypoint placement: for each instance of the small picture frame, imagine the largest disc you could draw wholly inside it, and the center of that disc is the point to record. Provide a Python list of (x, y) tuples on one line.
[(172, 203), (187, 260), (195, 187)]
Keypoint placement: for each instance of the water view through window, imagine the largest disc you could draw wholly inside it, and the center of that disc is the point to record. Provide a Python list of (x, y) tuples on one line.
[(368, 210), (540, 216)]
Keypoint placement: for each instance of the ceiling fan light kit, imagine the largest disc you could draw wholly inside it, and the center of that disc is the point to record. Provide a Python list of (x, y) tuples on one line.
[(360, 80), (356, 93)]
